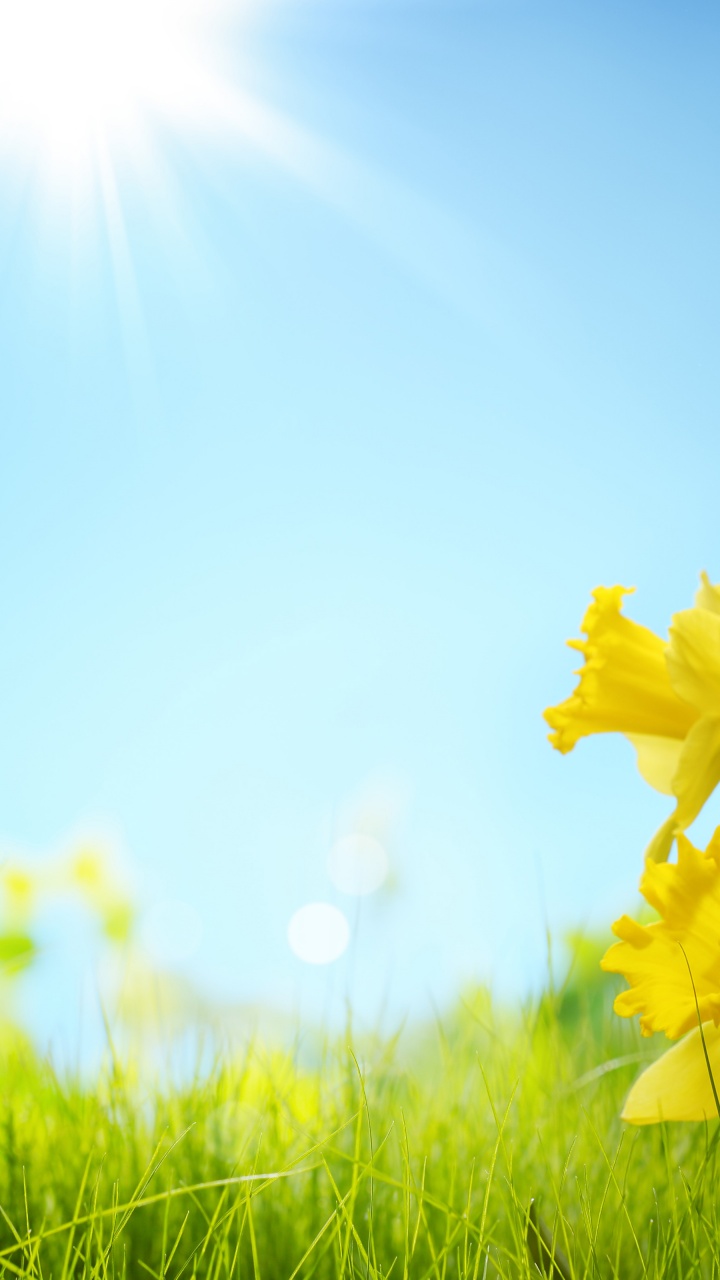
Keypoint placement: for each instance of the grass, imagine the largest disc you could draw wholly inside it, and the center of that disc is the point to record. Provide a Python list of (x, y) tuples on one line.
[(483, 1146)]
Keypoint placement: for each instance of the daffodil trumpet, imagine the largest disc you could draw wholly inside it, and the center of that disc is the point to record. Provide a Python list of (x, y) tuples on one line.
[(664, 696)]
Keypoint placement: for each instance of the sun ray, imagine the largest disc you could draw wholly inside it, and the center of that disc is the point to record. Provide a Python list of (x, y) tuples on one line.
[(132, 317), (91, 91)]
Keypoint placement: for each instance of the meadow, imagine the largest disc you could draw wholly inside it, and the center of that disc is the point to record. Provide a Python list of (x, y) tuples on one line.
[(488, 1142), (485, 1144)]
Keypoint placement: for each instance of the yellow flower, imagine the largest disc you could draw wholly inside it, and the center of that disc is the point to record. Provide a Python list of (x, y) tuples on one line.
[(673, 968), (20, 889), (664, 696)]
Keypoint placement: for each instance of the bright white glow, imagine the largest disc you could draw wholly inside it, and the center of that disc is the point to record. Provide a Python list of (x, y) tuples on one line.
[(79, 77), (171, 931), (318, 933), (357, 864)]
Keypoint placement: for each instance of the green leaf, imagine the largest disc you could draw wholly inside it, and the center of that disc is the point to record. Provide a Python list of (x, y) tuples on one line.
[(17, 951)]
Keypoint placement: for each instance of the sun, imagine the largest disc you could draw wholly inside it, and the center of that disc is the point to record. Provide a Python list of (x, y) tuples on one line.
[(94, 97), (82, 80)]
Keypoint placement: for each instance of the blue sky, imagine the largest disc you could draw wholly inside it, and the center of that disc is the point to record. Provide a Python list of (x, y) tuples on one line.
[(312, 455)]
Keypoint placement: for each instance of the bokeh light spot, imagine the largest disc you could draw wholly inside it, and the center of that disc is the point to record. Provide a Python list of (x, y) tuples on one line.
[(318, 933)]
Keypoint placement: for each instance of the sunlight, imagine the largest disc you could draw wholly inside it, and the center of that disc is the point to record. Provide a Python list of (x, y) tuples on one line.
[(89, 77)]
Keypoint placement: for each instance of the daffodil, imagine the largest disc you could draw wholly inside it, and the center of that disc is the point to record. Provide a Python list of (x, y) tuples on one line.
[(673, 970), (662, 695)]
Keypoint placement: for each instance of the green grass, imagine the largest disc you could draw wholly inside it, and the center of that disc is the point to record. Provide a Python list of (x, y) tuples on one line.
[(417, 1157)]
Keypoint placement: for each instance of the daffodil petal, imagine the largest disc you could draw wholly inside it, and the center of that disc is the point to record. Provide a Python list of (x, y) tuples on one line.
[(673, 965), (698, 771), (708, 595), (661, 844), (657, 759), (693, 658), (696, 777), (678, 1086)]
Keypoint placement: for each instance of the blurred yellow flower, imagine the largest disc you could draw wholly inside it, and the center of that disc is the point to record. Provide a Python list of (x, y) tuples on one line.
[(20, 890), (88, 869), (673, 968), (663, 696)]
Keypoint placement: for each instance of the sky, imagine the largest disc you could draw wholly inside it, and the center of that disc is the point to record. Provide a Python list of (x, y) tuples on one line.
[(339, 364)]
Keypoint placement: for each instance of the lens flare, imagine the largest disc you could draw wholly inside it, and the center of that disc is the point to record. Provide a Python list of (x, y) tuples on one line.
[(318, 933)]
